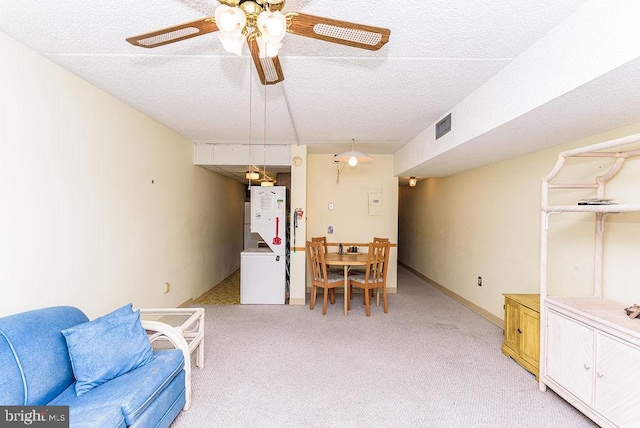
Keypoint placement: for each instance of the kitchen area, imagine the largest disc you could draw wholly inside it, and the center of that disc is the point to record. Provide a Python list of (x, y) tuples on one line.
[(264, 261)]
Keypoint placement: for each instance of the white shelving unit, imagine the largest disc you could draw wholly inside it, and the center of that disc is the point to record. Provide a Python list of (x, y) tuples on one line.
[(589, 348)]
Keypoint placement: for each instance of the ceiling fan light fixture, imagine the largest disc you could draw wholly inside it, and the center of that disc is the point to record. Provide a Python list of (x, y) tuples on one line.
[(232, 45), (272, 27), (231, 22), (267, 50)]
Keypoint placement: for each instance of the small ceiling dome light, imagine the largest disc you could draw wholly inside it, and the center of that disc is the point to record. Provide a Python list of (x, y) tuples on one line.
[(412, 181)]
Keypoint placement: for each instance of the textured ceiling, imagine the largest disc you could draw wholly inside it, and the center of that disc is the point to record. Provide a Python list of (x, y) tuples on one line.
[(439, 52)]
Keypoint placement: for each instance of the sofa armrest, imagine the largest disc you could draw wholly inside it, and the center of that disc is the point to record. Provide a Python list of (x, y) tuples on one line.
[(159, 330)]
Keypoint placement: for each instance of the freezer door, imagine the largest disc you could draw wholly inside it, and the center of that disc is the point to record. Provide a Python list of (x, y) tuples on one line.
[(262, 278)]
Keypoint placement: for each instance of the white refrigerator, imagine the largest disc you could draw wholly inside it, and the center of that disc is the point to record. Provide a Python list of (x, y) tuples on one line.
[(251, 240), (263, 270)]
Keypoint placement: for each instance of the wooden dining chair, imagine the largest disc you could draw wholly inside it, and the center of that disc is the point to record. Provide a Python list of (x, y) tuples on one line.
[(375, 274), (359, 268), (330, 269), (319, 275)]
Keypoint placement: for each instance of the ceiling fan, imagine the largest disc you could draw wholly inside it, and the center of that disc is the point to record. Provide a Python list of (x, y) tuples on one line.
[(262, 25)]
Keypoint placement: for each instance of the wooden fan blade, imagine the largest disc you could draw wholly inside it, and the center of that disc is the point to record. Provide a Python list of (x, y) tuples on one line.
[(268, 68), (342, 32), (174, 34)]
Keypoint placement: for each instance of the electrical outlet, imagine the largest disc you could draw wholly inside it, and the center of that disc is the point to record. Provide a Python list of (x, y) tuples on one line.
[(166, 288), (479, 281)]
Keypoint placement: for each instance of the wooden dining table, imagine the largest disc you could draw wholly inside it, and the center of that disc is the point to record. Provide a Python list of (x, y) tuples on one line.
[(346, 260)]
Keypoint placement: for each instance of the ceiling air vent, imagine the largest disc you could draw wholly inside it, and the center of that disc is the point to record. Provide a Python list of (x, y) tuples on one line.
[(443, 126)]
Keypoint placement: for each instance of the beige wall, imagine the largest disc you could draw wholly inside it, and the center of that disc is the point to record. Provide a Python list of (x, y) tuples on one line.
[(349, 218), (486, 222), (101, 205), (298, 259)]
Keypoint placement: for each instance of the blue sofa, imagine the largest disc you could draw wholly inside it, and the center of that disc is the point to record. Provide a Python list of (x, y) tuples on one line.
[(37, 370)]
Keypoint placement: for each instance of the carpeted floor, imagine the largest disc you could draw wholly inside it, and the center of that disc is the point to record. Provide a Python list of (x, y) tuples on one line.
[(429, 362), (225, 293)]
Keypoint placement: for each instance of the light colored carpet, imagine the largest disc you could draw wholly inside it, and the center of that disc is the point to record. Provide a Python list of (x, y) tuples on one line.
[(226, 292), (429, 362)]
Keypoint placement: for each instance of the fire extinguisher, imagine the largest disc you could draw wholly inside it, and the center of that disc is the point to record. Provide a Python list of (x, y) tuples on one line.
[(297, 215)]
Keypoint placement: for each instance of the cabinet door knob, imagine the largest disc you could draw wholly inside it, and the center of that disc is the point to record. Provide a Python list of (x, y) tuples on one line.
[(599, 373), (587, 366)]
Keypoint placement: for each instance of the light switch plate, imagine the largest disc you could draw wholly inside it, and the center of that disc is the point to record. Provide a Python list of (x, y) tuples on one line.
[(329, 230)]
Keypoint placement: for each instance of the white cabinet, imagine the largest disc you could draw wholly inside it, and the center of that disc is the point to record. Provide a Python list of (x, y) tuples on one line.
[(617, 380), (589, 348), (573, 370), (595, 371)]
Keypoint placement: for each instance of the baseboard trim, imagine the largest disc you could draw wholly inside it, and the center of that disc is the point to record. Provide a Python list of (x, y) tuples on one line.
[(300, 301), (187, 304), (468, 304)]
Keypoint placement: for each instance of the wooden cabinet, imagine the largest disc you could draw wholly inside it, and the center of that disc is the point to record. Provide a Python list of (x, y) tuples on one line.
[(522, 330), (594, 367)]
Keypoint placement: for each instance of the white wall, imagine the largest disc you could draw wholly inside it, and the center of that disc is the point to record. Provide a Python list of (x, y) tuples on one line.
[(101, 205), (486, 222), (349, 217)]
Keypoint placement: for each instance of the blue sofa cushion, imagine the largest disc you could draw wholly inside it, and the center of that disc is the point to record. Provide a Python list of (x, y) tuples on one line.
[(34, 362), (131, 393), (107, 347)]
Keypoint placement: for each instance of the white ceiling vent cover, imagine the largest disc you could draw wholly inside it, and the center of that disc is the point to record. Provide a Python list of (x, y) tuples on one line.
[(443, 126)]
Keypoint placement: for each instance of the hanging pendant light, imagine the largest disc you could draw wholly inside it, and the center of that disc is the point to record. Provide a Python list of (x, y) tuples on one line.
[(352, 157), (252, 171), (266, 180)]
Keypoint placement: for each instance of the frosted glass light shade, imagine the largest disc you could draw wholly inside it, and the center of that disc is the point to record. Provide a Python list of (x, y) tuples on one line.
[(272, 27), (358, 156), (231, 22)]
